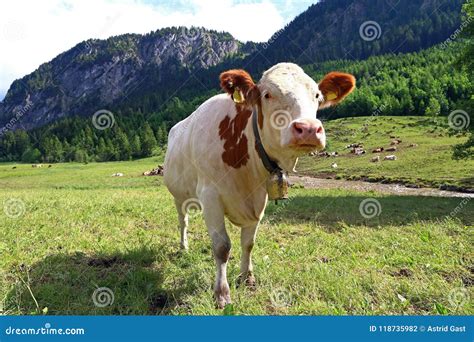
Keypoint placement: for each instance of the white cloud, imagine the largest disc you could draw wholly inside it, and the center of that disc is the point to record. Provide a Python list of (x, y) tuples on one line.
[(33, 32)]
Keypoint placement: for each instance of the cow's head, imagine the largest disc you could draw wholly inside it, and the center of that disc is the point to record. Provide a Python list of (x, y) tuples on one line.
[(288, 100)]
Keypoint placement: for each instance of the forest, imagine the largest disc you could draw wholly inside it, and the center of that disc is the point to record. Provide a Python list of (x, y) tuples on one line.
[(425, 83)]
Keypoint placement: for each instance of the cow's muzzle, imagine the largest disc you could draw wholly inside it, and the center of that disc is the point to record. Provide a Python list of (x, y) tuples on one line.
[(308, 134)]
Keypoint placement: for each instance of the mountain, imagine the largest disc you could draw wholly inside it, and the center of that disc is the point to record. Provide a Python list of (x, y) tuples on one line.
[(97, 73), (144, 71), (422, 83), (358, 29)]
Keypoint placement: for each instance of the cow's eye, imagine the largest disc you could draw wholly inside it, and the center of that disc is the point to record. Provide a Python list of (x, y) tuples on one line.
[(267, 96), (317, 95)]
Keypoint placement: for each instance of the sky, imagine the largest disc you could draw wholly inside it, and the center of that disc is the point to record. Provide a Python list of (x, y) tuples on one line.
[(35, 31)]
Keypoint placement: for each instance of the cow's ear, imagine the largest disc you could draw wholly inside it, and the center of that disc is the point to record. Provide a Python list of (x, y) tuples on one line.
[(335, 86), (240, 86)]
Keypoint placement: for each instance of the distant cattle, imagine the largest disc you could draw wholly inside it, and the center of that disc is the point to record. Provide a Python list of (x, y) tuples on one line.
[(118, 174), (236, 148), (391, 149), (37, 165), (378, 150), (395, 142), (358, 151), (390, 157), (375, 159), (158, 171)]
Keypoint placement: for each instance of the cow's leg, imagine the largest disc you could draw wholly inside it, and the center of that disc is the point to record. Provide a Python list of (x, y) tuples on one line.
[(247, 240), (213, 212), (183, 224)]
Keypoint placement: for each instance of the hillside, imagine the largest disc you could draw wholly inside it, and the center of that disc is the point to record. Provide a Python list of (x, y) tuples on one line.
[(98, 74), (333, 29), (142, 72), (423, 155), (423, 83)]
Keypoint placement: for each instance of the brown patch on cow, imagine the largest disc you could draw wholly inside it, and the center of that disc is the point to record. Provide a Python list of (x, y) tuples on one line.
[(337, 83), (236, 152), (232, 130)]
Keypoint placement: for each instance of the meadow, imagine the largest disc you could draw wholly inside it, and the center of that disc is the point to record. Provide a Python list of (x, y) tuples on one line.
[(427, 164), (72, 230)]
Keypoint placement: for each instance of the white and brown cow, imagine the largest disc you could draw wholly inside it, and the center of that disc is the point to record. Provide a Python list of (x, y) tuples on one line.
[(212, 157)]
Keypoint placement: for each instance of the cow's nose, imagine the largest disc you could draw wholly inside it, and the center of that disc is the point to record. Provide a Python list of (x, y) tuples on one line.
[(308, 133)]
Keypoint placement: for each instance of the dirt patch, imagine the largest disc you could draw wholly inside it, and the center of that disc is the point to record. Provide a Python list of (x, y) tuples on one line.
[(103, 262), (158, 302), (403, 272), (357, 185)]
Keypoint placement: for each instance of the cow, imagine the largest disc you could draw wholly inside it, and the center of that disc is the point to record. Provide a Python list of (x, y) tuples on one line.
[(217, 158)]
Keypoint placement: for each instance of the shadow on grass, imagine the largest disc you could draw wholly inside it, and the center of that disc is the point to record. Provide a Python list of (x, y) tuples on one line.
[(129, 283), (331, 212)]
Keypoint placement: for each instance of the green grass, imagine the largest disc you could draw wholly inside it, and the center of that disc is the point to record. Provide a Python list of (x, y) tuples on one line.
[(83, 229), (429, 164)]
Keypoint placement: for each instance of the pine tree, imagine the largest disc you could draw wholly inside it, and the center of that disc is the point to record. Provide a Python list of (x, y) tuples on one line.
[(148, 141)]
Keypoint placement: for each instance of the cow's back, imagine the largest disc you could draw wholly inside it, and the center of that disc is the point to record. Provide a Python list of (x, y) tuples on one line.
[(194, 148)]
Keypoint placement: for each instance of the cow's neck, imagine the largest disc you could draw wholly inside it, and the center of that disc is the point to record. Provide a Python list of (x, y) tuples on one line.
[(256, 165)]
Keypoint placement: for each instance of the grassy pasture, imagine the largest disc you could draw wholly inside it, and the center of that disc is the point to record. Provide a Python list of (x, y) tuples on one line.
[(429, 164), (82, 230), (79, 230)]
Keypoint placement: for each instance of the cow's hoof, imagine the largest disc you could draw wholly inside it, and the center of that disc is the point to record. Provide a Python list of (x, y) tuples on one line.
[(223, 301), (223, 296), (248, 280)]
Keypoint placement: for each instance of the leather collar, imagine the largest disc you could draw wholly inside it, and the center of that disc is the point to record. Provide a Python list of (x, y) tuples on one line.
[(270, 164)]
